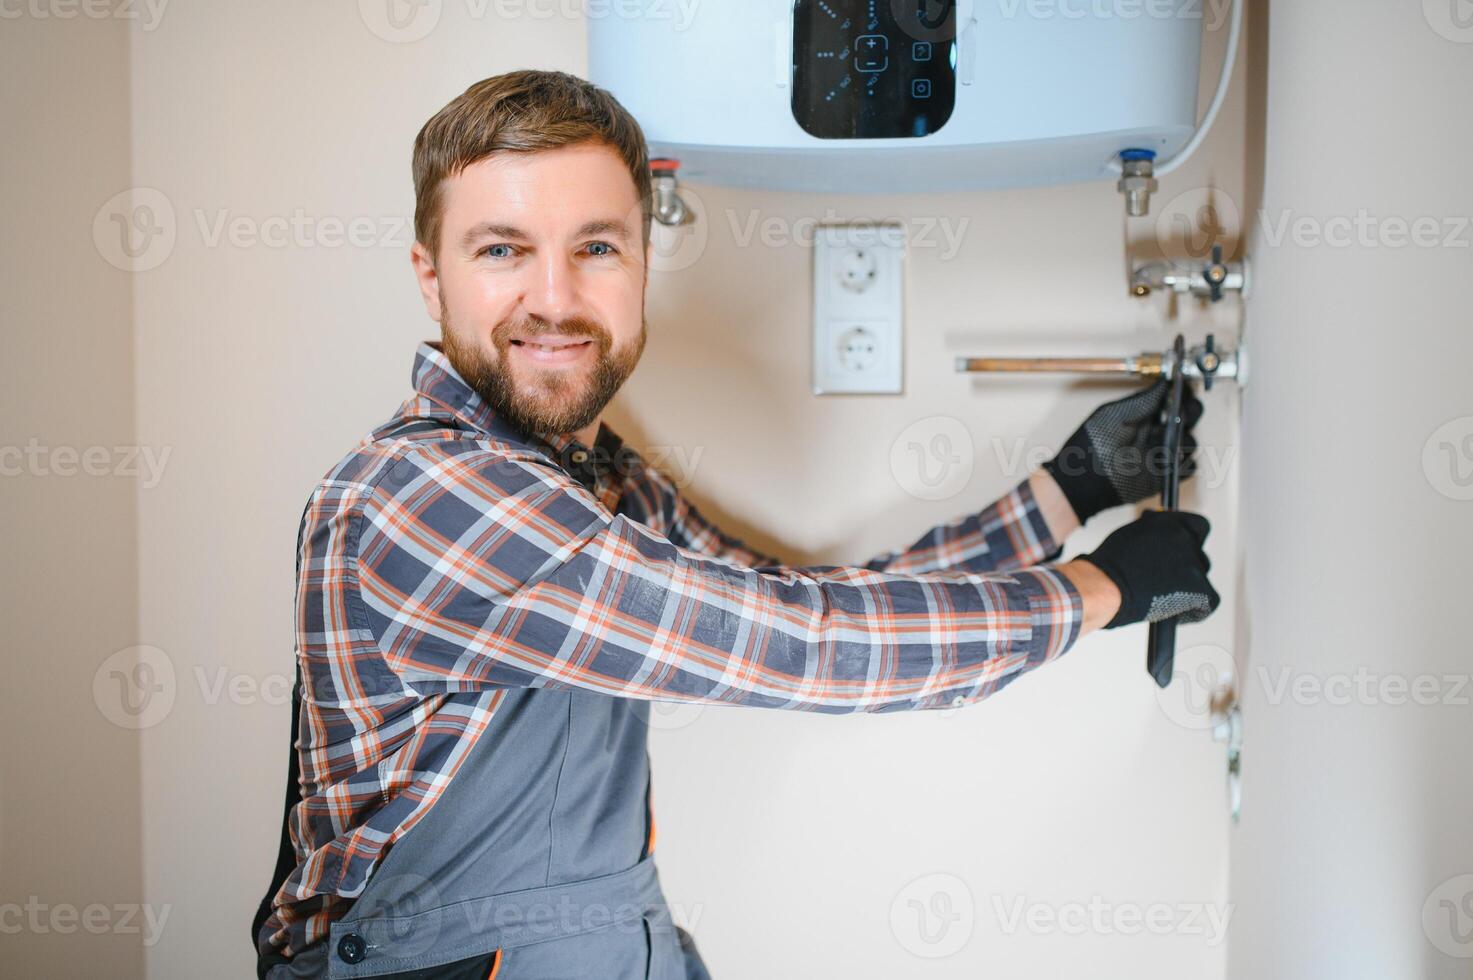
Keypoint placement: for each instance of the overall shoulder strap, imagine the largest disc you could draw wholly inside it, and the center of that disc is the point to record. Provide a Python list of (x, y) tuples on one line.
[(286, 853)]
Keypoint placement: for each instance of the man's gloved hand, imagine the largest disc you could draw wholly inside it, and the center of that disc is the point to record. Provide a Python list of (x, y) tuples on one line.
[(1118, 456), (1157, 563)]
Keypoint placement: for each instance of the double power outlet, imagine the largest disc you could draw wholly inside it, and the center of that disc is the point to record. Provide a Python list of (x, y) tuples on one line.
[(857, 309)]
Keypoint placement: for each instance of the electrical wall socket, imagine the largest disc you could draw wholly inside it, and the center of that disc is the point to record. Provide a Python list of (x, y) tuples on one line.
[(857, 309)]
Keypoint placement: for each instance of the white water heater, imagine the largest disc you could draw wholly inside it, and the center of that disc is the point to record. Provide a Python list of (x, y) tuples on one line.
[(901, 96)]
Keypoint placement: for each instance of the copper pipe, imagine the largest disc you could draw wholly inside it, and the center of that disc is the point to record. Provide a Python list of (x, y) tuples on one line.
[(1145, 365), (1073, 365)]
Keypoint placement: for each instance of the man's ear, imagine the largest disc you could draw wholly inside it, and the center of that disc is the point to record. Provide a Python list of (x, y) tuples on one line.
[(428, 279)]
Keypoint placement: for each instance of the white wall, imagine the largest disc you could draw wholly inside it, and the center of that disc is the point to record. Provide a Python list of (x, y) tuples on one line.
[(1358, 815)]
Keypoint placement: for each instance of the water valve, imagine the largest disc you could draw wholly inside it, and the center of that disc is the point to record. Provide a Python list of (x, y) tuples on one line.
[(1137, 181), (1210, 281), (669, 208)]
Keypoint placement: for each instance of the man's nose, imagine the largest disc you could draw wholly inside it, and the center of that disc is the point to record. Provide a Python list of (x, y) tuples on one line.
[(553, 293)]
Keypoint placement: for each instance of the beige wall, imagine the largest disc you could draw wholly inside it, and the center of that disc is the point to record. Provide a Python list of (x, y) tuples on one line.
[(785, 839), (1355, 853), (70, 824), (791, 838)]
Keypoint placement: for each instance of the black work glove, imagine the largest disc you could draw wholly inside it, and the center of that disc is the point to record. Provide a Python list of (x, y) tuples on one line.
[(1158, 564), (1118, 456)]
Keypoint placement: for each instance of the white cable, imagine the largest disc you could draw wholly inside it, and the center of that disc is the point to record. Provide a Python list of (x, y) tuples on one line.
[(1229, 59)]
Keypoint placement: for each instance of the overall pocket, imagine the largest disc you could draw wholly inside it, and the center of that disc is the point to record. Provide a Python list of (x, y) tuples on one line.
[(618, 951), (486, 966)]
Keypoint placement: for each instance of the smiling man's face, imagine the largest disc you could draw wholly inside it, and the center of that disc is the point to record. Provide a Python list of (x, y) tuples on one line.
[(539, 283)]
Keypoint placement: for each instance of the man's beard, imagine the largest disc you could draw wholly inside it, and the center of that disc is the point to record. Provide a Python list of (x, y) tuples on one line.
[(551, 401)]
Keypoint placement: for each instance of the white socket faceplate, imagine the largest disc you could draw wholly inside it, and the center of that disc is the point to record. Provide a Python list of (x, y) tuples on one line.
[(857, 309)]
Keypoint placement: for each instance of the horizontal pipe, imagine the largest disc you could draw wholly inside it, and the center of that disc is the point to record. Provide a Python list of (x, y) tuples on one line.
[(1072, 365)]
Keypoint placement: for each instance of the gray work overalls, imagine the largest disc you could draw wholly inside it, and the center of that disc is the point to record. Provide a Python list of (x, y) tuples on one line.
[(538, 848), (534, 864)]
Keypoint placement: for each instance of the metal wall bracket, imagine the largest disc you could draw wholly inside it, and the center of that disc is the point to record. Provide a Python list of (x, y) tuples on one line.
[(1227, 727)]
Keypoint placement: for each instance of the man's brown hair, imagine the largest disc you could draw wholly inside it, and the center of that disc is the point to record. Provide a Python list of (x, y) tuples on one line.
[(521, 111)]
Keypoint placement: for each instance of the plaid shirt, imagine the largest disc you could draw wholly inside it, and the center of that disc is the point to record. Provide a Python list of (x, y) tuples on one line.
[(442, 566)]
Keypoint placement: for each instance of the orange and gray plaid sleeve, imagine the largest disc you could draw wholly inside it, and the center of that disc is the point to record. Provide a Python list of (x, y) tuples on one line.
[(674, 516), (478, 568), (1009, 533)]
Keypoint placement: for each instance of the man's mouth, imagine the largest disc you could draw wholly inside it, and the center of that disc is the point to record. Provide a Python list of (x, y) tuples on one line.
[(551, 349)]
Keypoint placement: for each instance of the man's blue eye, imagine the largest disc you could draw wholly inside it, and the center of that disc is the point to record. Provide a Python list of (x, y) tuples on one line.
[(602, 245), (491, 250)]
